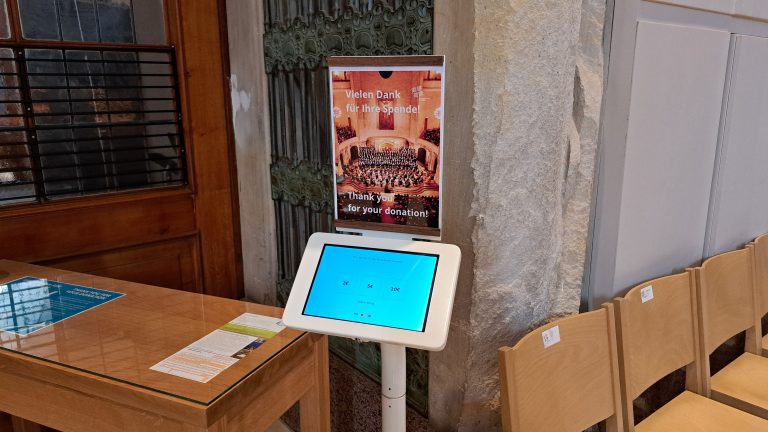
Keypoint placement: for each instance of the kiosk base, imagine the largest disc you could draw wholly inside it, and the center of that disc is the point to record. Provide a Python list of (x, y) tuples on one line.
[(423, 279), (392, 388)]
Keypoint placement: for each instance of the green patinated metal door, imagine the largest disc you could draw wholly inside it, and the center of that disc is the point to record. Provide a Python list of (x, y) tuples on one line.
[(299, 36)]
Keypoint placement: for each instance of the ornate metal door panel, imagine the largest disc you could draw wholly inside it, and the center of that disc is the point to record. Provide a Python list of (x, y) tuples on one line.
[(299, 36)]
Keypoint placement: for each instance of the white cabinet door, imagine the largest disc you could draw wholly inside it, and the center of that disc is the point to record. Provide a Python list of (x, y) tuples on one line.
[(677, 90), (739, 206)]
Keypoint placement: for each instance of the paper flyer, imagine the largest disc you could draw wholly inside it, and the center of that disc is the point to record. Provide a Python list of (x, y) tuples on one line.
[(212, 354), (31, 304)]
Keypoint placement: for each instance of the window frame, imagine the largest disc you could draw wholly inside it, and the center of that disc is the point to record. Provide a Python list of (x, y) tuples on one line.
[(171, 19)]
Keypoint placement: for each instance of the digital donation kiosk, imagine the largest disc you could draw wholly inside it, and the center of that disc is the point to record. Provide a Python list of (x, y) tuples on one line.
[(387, 279)]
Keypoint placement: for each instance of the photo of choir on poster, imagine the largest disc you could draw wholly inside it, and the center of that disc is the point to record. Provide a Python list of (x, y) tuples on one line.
[(387, 143)]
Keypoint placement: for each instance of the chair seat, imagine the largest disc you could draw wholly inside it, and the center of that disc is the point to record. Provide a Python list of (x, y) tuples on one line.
[(690, 412), (744, 384)]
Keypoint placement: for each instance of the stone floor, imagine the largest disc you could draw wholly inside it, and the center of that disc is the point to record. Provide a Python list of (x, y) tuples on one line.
[(355, 403)]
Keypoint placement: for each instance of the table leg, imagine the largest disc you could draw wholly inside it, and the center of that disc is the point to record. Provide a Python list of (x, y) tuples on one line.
[(315, 405), (21, 425), (5, 422)]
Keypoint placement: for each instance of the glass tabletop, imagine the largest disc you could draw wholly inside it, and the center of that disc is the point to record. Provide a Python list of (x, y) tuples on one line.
[(119, 330)]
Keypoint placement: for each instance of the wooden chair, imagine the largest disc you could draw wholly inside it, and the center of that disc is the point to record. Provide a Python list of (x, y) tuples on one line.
[(727, 301), (658, 334), (567, 386), (761, 280)]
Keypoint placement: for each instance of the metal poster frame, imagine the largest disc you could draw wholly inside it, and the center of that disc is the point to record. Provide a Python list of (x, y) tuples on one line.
[(382, 64)]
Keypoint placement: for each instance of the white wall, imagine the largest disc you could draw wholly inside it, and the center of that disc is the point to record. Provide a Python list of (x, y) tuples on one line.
[(679, 177), (677, 89), (739, 205)]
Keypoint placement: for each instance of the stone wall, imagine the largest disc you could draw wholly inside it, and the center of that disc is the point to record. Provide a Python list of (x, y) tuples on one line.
[(538, 79), (250, 123)]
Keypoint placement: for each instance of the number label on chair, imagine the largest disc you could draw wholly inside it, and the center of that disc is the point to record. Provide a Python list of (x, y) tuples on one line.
[(551, 336), (646, 293)]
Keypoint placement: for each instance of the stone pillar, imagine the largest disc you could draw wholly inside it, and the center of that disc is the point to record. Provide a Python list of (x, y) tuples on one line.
[(250, 123), (537, 76)]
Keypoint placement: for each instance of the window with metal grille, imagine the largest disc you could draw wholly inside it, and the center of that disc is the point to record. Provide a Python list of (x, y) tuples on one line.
[(84, 118)]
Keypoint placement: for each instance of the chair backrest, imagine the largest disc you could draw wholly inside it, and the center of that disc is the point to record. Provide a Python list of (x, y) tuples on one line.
[(562, 377), (761, 271), (657, 335), (726, 298)]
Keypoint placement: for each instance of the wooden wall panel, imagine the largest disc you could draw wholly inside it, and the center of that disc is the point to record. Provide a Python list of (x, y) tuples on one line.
[(206, 120), (186, 237), (171, 264), (81, 227)]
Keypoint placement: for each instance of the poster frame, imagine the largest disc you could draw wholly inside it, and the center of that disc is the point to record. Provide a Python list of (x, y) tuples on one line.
[(385, 63)]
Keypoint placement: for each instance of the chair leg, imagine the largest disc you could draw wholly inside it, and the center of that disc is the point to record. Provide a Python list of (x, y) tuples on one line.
[(611, 424)]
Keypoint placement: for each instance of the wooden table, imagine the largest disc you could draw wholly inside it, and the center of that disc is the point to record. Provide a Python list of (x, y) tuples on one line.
[(91, 372)]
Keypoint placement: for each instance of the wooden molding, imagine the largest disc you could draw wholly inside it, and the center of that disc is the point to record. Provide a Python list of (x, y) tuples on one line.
[(76, 230), (201, 57)]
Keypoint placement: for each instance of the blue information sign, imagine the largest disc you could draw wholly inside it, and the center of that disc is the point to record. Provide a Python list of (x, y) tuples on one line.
[(30, 304)]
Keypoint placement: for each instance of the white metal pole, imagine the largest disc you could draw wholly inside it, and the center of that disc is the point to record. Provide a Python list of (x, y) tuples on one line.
[(392, 388)]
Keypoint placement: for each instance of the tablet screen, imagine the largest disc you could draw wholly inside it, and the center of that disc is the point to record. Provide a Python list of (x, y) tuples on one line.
[(372, 286)]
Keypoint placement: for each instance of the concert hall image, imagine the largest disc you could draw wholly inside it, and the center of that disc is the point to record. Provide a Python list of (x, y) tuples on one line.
[(387, 146)]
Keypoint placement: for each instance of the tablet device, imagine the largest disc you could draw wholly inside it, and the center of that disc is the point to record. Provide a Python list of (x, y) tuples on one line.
[(375, 289)]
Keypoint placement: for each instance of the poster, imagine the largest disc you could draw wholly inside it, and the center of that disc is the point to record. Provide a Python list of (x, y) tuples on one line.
[(387, 117), (31, 304)]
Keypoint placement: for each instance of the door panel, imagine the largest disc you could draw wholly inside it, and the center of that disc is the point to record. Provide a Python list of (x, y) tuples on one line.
[(674, 116), (81, 227), (739, 207), (185, 236), (171, 264)]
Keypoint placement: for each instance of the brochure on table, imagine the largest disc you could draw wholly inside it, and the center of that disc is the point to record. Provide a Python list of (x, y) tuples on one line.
[(30, 304), (204, 359)]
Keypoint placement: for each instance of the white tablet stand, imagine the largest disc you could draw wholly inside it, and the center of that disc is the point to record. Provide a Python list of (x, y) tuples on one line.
[(393, 341), (392, 388)]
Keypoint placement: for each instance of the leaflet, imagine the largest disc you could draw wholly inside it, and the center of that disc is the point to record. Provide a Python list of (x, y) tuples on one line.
[(31, 304), (209, 356)]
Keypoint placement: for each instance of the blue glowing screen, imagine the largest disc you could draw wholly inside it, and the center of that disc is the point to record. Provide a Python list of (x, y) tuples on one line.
[(373, 286)]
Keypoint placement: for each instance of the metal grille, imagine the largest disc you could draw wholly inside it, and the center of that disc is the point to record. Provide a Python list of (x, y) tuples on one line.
[(78, 121)]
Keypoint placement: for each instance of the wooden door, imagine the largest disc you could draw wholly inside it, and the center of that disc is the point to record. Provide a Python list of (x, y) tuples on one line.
[(115, 155)]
